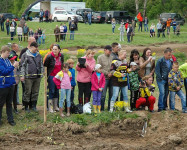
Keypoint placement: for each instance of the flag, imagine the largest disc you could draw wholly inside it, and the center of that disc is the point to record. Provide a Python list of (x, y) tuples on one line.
[(139, 17)]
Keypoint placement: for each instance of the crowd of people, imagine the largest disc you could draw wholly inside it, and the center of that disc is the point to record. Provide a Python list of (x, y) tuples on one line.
[(112, 71)]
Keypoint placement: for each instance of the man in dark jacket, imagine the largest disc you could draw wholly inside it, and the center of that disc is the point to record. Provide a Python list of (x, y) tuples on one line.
[(2, 20), (15, 49), (14, 25), (31, 67), (6, 84), (163, 67), (57, 33)]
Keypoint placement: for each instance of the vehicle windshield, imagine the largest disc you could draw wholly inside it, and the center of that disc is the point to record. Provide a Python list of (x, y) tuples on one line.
[(165, 15), (70, 12)]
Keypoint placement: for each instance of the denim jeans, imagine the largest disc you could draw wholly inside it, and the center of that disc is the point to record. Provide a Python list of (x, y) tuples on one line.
[(163, 94), (108, 84), (185, 85), (72, 35), (90, 21), (172, 99), (53, 91), (113, 30), (124, 90), (2, 26), (72, 93), (146, 27), (128, 38), (39, 40), (12, 35), (43, 41), (65, 93), (7, 30)]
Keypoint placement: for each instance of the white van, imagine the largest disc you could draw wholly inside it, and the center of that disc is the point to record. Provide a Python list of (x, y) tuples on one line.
[(63, 15)]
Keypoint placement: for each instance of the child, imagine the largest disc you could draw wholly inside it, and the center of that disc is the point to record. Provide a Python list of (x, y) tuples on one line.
[(152, 30), (122, 31), (146, 93), (183, 69), (175, 81), (43, 37), (63, 82), (98, 83), (113, 25), (134, 85), (65, 31), (19, 32), (31, 33), (12, 29), (16, 73), (73, 83)]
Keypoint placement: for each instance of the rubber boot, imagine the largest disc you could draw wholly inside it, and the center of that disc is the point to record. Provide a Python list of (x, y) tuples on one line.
[(34, 106), (126, 107), (50, 105), (55, 104), (95, 108), (99, 108), (68, 111), (61, 113), (112, 106), (26, 107)]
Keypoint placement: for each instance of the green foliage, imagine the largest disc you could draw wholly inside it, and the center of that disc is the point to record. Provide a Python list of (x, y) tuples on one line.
[(181, 57)]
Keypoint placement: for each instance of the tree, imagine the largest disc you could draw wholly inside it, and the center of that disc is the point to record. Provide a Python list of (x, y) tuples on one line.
[(137, 6), (144, 9)]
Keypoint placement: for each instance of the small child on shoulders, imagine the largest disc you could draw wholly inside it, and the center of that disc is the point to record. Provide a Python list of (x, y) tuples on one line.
[(98, 83), (63, 82), (73, 83), (175, 84), (147, 89), (134, 85)]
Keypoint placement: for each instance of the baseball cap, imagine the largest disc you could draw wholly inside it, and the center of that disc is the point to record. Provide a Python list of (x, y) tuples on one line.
[(108, 47), (133, 64)]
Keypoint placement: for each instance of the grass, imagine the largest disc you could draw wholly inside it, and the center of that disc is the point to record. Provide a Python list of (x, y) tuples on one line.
[(94, 35)]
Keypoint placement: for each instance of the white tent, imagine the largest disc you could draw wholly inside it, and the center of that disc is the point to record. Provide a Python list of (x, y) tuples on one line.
[(35, 8)]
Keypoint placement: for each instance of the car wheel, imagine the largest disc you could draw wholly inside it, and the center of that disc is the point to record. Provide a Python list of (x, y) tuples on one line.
[(55, 19)]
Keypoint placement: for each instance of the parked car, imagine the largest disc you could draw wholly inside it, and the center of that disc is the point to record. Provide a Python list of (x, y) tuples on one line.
[(164, 17), (98, 16), (80, 12), (63, 15), (118, 15), (10, 16)]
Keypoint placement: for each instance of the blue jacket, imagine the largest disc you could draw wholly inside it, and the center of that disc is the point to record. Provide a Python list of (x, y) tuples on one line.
[(73, 83), (65, 29), (6, 69), (162, 69)]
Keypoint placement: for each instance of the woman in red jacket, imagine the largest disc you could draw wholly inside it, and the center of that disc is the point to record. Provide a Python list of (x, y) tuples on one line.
[(98, 83)]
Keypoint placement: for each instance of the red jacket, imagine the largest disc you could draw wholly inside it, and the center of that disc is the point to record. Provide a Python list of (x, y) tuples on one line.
[(95, 84)]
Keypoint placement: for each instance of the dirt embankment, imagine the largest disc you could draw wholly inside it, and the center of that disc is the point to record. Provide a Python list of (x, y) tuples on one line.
[(165, 130)]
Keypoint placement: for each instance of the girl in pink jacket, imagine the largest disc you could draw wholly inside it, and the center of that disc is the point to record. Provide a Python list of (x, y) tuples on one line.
[(98, 83), (84, 74)]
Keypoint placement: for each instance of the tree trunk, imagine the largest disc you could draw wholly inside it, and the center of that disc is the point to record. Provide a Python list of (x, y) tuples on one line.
[(144, 9), (137, 6)]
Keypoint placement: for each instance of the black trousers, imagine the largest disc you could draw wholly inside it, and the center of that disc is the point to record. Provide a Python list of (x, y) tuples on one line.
[(84, 89), (133, 99), (6, 96)]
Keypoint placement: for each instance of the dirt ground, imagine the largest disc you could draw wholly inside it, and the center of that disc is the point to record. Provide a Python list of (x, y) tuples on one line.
[(163, 130)]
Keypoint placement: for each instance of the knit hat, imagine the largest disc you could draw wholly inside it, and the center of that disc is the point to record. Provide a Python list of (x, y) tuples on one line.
[(97, 66), (133, 64)]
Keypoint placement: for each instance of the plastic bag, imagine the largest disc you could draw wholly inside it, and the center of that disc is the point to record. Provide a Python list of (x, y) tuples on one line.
[(87, 108)]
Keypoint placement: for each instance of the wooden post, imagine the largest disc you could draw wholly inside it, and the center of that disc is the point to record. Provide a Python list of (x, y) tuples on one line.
[(45, 94)]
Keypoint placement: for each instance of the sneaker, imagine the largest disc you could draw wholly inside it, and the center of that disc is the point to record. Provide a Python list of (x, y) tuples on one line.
[(127, 110), (16, 111), (152, 111), (12, 123), (184, 111)]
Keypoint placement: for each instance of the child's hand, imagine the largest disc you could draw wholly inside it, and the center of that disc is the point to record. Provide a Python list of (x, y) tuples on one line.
[(100, 89), (85, 64)]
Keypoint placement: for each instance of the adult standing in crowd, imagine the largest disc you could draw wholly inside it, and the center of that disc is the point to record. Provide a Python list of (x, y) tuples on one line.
[(85, 16), (7, 24), (146, 21), (84, 73), (14, 25), (39, 36), (133, 29), (53, 62), (6, 84), (115, 50), (22, 22), (72, 30), (76, 23), (147, 64), (30, 40), (41, 15), (2, 20), (31, 70), (129, 33), (89, 18), (163, 67), (20, 33), (140, 26), (105, 60), (159, 28), (113, 25), (57, 33), (168, 24), (61, 32), (46, 15), (174, 24), (65, 31), (25, 32)]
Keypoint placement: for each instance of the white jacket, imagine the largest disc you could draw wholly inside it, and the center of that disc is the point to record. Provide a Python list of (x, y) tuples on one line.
[(12, 29), (19, 30)]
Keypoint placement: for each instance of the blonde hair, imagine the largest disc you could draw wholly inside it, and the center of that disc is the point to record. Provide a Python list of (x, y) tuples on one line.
[(4, 49), (88, 52), (146, 77), (121, 52), (70, 61)]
